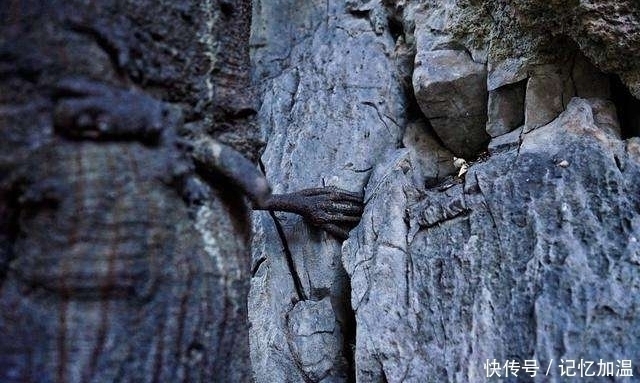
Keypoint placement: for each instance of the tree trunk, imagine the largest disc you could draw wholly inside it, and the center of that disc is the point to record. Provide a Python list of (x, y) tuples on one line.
[(107, 274)]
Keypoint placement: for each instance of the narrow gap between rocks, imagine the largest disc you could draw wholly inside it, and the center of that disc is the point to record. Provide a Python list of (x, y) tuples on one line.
[(396, 28), (360, 14), (627, 107), (349, 328), (297, 283), (520, 89)]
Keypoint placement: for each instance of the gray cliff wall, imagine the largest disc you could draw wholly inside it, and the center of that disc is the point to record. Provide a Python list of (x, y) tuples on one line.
[(533, 254), (320, 70)]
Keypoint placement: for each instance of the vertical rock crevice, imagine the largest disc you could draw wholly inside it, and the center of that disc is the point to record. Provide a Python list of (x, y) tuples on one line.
[(627, 108), (330, 114), (302, 296)]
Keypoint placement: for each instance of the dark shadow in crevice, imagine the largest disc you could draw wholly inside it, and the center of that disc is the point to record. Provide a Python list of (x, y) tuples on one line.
[(226, 7), (627, 107), (359, 14), (297, 282), (349, 329), (396, 29), (518, 90)]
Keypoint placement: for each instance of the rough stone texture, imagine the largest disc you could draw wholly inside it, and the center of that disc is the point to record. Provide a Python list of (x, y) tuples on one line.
[(505, 109), (435, 162), (527, 32), (106, 274), (544, 95), (551, 86), (532, 254), (315, 339), (111, 280), (332, 107), (506, 141), (528, 259), (380, 269)]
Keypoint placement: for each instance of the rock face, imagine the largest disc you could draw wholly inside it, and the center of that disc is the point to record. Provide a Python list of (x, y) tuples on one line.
[(451, 90), (532, 255), (332, 109)]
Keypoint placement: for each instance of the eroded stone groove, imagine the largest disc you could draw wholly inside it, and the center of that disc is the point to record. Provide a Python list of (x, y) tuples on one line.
[(289, 257)]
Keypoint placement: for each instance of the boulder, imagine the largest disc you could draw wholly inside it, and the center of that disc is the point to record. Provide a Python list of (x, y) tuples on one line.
[(452, 93)]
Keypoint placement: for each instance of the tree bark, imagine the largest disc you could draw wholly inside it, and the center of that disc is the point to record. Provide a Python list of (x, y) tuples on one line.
[(107, 274)]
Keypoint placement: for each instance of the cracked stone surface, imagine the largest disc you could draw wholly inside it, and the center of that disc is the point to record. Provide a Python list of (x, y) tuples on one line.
[(529, 258), (314, 340), (332, 108), (532, 254), (106, 274)]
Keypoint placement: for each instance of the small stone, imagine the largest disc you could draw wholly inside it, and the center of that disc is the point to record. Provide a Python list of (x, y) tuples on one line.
[(563, 163)]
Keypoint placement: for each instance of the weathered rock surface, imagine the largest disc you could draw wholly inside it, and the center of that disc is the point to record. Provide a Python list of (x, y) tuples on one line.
[(435, 162), (532, 32), (532, 255), (452, 93), (505, 109), (543, 101), (530, 258), (332, 107), (107, 274)]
